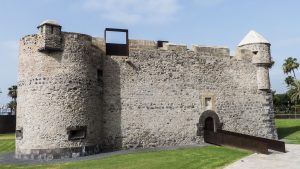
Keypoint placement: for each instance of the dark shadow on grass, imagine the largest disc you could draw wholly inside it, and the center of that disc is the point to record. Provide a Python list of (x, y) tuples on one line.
[(284, 132)]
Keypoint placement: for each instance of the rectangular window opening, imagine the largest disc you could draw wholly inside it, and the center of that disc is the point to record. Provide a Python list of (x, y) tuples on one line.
[(208, 103), (19, 134), (77, 133)]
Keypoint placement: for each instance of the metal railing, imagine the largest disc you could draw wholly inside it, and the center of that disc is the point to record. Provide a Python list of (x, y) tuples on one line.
[(6, 111)]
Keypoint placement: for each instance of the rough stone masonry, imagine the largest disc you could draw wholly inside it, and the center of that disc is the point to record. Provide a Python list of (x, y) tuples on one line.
[(75, 100)]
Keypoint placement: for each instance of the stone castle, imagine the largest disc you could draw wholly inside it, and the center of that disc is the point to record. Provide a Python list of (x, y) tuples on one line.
[(75, 98)]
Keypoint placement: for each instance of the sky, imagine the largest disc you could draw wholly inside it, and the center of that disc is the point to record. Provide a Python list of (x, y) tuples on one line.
[(205, 22)]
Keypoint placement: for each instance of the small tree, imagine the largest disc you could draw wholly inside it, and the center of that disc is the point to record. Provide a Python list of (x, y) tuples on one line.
[(294, 92), (12, 92), (289, 80), (12, 105), (290, 65)]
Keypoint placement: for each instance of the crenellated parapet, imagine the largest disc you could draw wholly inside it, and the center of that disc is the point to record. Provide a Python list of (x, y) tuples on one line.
[(218, 51), (142, 44)]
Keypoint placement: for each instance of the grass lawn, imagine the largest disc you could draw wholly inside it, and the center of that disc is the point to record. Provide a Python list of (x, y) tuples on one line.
[(289, 129), (201, 157), (7, 143)]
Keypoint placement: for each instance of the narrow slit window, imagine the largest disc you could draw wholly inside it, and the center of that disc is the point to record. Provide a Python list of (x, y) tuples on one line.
[(99, 75), (51, 29)]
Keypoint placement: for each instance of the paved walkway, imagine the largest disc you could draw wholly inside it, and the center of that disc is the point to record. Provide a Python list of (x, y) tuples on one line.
[(9, 158), (275, 160)]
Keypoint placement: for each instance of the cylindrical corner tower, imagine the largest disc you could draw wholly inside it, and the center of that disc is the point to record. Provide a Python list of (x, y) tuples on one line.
[(59, 95), (260, 49)]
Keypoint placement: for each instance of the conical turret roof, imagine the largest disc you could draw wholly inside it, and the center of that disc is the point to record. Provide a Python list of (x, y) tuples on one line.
[(253, 37)]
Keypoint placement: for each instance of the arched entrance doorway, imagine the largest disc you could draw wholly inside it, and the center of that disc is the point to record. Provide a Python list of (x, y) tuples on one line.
[(209, 120)]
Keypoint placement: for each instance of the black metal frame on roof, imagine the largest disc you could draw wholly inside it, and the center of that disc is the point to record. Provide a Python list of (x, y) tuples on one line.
[(117, 48)]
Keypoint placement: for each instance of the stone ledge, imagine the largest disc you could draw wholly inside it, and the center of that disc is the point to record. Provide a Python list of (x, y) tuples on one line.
[(176, 47), (211, 50), (58, 153)]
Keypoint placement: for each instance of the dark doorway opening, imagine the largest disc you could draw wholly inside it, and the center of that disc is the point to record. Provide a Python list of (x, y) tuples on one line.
[(209, 124), (208, 121)]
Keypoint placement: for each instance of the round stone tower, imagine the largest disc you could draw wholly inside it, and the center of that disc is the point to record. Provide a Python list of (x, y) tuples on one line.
[(260, 56), (59, 95)]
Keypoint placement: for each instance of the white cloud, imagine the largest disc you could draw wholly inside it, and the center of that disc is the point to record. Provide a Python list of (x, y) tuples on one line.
[(135, 11)]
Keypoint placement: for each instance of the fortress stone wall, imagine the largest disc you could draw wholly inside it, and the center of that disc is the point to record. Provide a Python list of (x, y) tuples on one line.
[(75, 100)]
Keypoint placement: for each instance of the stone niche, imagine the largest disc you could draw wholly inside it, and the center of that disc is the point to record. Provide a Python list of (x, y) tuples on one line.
[(208, 102)]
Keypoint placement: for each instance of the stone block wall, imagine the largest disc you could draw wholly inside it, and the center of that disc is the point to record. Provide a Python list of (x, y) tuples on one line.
[(156, 100), (141, 44), (261, 52), (51, 39), (59, 97), (211, 50)]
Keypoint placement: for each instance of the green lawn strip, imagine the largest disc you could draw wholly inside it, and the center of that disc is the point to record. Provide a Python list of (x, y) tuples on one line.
[(7, 143), (293, 141), (289, 130), (9, 136), (7, 146), (201, 157)]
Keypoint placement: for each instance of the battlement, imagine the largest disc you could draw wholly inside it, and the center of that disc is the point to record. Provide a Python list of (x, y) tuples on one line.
[(250, 53), (211, 50), (142, 44), (243, 54), (174, 47)]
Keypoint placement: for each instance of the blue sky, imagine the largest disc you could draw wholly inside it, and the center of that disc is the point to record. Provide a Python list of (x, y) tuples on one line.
[(207, 22)]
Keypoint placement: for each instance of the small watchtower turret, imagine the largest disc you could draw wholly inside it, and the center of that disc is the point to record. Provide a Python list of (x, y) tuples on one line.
[(260, 55), (50, 32)]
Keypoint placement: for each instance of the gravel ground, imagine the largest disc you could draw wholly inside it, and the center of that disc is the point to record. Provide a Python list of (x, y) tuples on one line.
[(8, 158)]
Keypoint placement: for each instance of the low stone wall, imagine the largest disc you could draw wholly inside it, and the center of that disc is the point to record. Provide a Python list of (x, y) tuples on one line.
[(7, 124)]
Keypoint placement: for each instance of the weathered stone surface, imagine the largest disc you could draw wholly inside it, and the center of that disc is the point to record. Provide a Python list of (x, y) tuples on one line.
[(57, 90), (159, 103), (153, 97)]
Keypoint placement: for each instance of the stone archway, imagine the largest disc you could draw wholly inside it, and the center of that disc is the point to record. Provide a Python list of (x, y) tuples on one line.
[(208, 120)]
